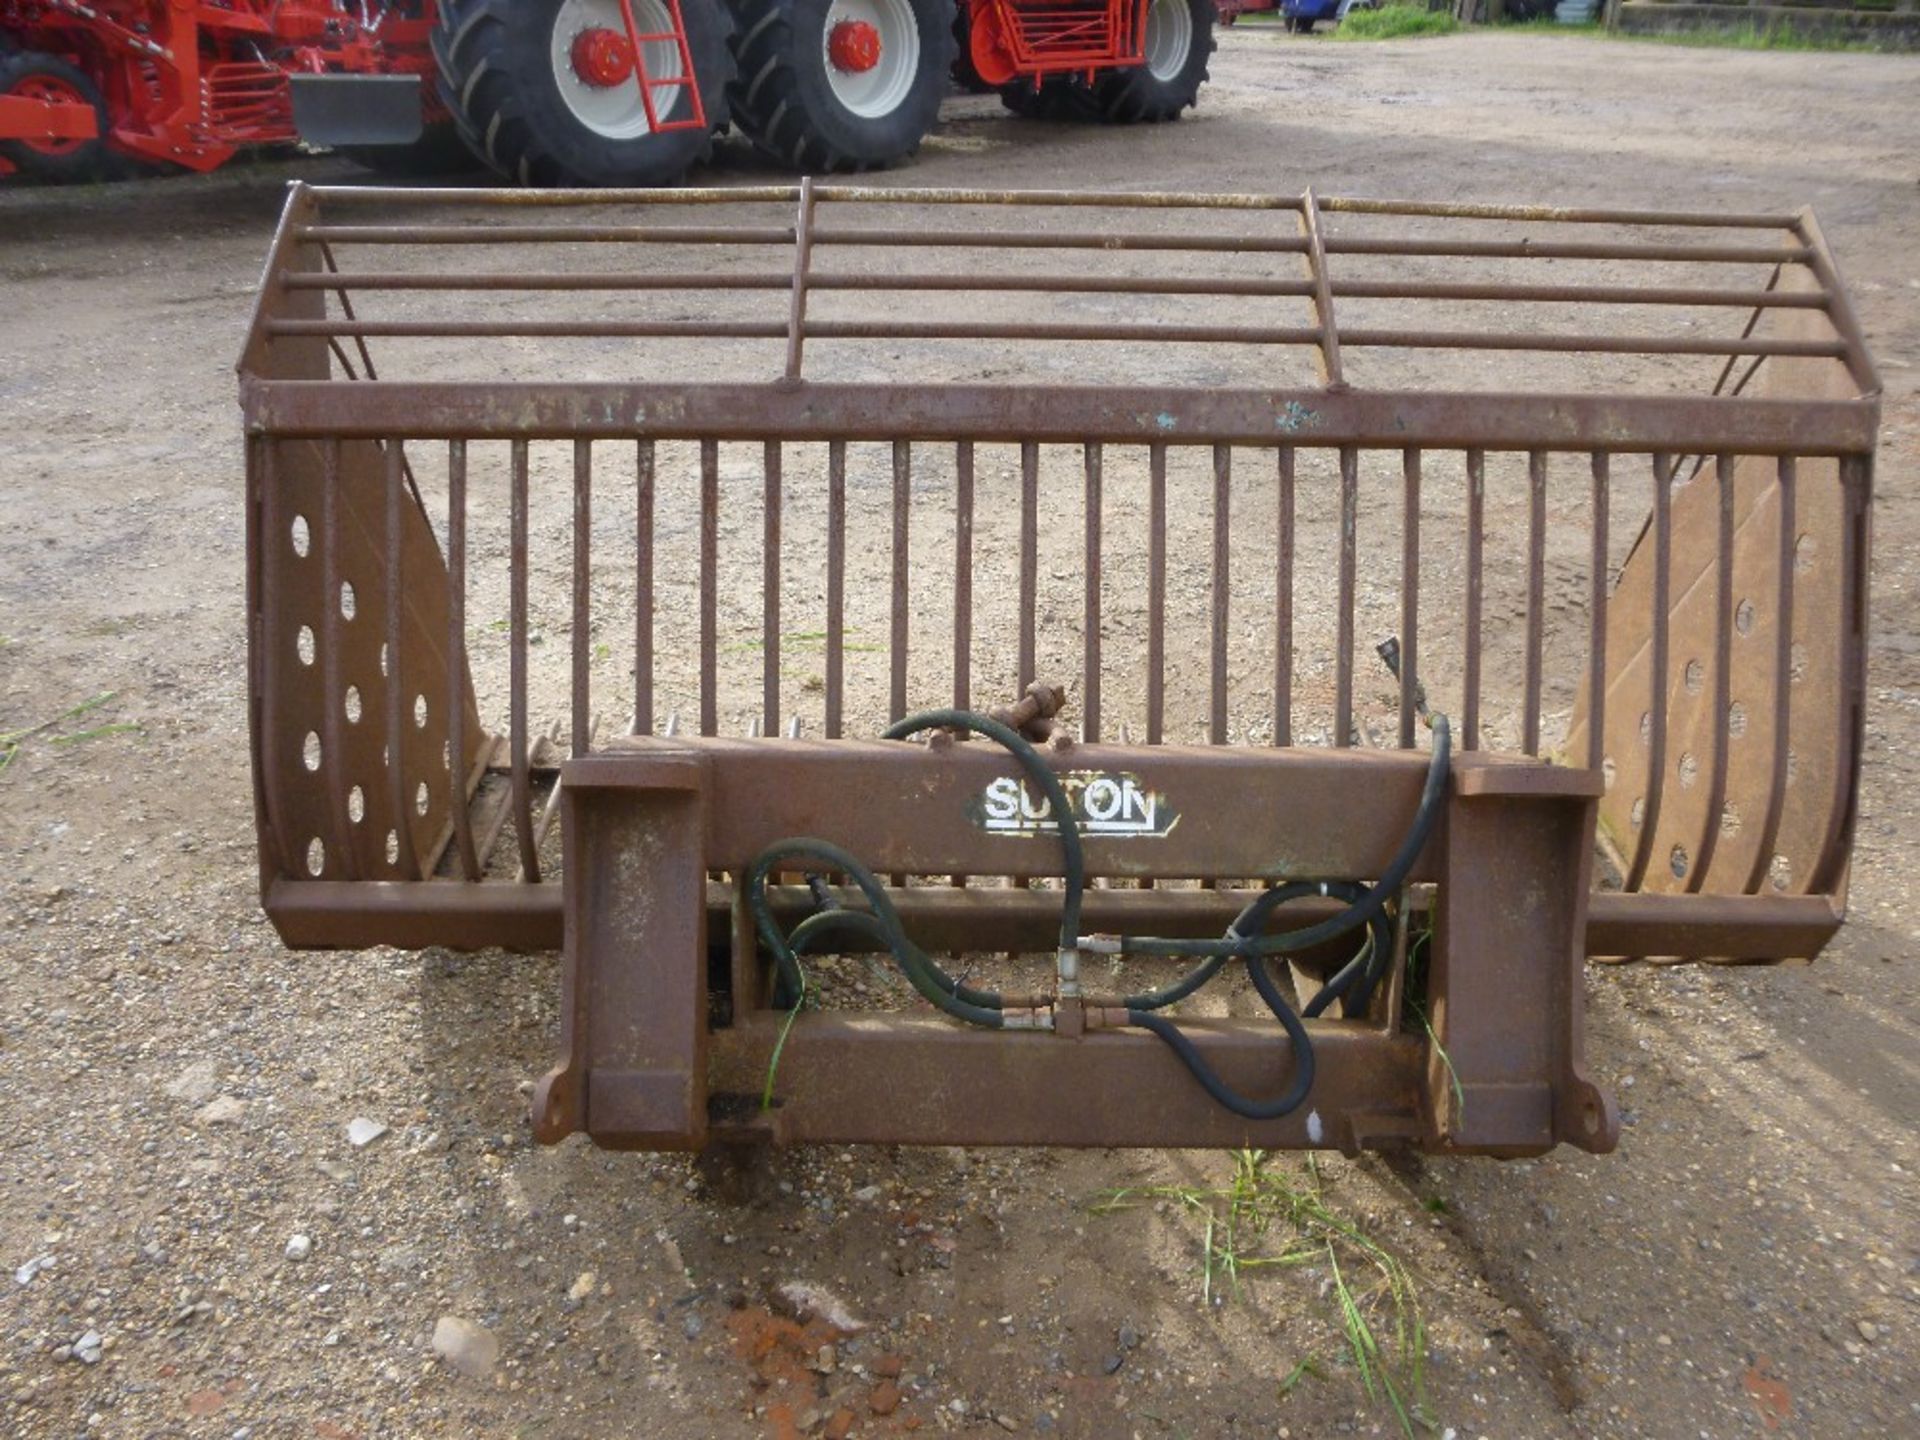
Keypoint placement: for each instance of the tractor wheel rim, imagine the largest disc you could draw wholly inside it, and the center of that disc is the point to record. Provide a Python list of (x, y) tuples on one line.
[(50, 89), (890, 56), (614, 111), (1169, 38)]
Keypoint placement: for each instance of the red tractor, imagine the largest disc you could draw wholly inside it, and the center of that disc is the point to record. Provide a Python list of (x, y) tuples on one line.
[(564, 92)]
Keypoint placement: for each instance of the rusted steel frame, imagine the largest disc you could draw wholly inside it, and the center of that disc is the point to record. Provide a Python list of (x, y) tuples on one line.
[(521, 774), (332, 690), (544, 234), (963, 575), (408, 862), (1658, 622), (836, 584), (1722, 675), (709, 586), (1156, 592), (1065, 199), (802, 265), (1839, 306), (1565, 250), (902, 580), (1536, 597), (1061, 240), (273, 858), (368, 196), (1580, 344), (1331, 371), (1555, 214), (1217, 669), (273, 538), (1702, 296), (1856, 564), (346, 308), (770, 565), (1599, 589), (581, 709), (1343, 635), (1283, 599), (643, 588), (1704, 927), (1090, 627), (555, 329), (1782, 678), (1029, 559), (1476, 596), (1061, 413), (540, 280), (284, 254), (456, 657), (1409, 596)]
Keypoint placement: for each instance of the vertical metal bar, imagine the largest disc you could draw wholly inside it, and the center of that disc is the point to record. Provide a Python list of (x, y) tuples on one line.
[(770, 588), (582, 719), (1722, 673), (264, 564), (1090, 682), (1222, 492), (1343, 641), (1029, 557), (643, 589), (1536, 593), (1156, 591), (1476, 593), (1657, 667), (709, 586), (897, 641), (802, 259), (1409, 597), (457, 658), (1283, 605), (1782, 681), (963, 576), (1601, 580), (1330, 365), (517, 663), (396, 488), (1855, 560), (836, 584), (333, 692)]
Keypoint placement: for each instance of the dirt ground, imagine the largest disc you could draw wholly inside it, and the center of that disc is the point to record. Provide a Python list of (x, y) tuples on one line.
[(179, 1085)]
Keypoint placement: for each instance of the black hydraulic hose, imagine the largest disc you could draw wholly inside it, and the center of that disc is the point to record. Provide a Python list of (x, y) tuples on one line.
[(1244, 1106), (820, 921)]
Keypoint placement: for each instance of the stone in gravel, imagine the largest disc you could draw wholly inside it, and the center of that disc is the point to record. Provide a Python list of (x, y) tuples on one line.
[(221, 1111), (840, 1424), (809, 1419), (1111, 1365), (693, 1324), (362, 1132), (885, 1398), (1869, 1331), (809, 1301), (465, 1346), (889, 1366), (24, 1275), (1128, 1337), (582, 1286), (825, 1361), (196, 1084), (87, 1348), (299, 1247)]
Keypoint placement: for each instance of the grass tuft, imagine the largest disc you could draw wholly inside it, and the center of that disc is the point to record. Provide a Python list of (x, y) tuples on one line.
[(1396, 22), (1263, 1218)]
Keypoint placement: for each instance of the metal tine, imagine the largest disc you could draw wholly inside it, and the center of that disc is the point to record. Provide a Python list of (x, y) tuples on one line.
[(1782, 680), (517, 653), (1090, 678), (643, 589), (709, 586), (836, 584), (1410, 598), (1283, 603), (1476, 594), (793, 727), (330, 680), (963, 576), (406, 860), (456, 658), (1029, 557), (1657, 677), (1343, 642), (902, 578), (1536, 594), (1602, 586), (1855, 478), (1156, 590), (1722, 674), (1222, 492), (581, 740), (772, 502)]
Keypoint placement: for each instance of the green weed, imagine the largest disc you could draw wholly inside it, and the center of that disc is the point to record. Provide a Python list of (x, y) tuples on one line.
[(1395, 22)]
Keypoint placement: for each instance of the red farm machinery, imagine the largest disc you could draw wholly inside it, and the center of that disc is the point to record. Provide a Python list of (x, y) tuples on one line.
[(563, 92)]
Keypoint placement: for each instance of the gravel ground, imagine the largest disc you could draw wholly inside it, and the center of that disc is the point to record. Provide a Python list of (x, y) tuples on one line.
[(204, 1240)]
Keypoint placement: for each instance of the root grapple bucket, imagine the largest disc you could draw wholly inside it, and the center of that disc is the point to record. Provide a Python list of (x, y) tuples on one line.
[(1428, 597)]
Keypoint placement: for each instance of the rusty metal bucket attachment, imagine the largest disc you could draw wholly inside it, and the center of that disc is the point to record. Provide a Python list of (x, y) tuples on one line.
[(660, 507)]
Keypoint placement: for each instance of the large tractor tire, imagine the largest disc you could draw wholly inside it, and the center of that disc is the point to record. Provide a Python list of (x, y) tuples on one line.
[(34, 76), (840, 84), (543, 90), (1177, 43)]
